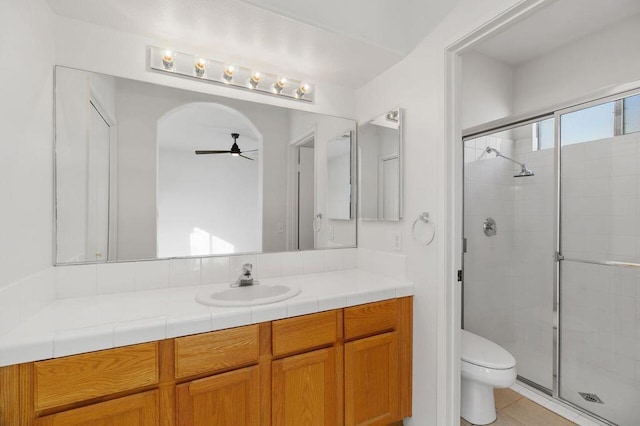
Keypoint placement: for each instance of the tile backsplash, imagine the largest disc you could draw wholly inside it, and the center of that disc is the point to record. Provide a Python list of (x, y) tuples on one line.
[(87, 280)]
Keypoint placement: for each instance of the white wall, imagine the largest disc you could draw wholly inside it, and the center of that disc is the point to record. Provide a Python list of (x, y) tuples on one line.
[(487, 89), (608, 57), (218, 195), (417, 84), (26, 90)]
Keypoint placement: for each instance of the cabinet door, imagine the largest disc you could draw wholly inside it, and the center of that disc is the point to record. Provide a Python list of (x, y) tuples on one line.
[(304, 389), (372, 392), (225, 399), (134, 410)]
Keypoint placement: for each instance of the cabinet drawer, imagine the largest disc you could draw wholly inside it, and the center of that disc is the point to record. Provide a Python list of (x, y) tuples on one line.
[(135, 410), (216, 351), (81, 377), (372, 318), (306, 332)]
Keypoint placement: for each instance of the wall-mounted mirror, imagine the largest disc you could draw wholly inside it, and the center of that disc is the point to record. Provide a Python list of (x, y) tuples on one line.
[(130, 185), (380, 167)]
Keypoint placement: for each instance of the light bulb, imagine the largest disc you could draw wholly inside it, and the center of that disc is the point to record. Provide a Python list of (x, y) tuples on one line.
[(235, 155), (167, 59), (256, 77), (303, 89), (227, 75), (200, 66), (279, 85)]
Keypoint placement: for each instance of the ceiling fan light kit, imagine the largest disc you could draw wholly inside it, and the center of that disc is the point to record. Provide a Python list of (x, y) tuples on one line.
[(190, 66)]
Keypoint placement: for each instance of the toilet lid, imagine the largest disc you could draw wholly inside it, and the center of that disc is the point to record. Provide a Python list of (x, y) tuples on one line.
[(480, 351)]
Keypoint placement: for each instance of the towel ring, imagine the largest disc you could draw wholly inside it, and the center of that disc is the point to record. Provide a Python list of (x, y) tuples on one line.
[(424, 217)]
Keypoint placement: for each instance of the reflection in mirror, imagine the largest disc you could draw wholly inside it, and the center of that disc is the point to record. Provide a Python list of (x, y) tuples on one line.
[(129, 184), (380, 166), (340, 172)]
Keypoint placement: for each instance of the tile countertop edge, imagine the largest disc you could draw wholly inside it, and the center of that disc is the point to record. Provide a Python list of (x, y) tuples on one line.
[(16, 348)]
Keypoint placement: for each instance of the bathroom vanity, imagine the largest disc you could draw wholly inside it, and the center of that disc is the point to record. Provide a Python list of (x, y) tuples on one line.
[(348, 366)]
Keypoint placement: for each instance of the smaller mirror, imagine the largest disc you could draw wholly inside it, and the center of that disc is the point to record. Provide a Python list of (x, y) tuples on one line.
[(380, 166), (340, 173)]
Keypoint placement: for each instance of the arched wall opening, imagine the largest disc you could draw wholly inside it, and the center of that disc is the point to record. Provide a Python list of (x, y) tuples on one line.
[(208, 204)]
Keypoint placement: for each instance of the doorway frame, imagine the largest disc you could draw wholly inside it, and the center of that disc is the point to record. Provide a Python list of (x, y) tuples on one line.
[(450, 296), (292, 159)]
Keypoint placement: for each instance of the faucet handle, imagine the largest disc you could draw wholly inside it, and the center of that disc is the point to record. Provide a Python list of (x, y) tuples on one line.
[(247, 268)]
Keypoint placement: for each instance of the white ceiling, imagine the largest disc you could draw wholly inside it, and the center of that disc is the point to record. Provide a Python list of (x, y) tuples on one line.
[(341, 42), (559, 23)]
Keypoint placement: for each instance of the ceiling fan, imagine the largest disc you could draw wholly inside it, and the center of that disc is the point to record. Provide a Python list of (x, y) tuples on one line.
[(234, 151)]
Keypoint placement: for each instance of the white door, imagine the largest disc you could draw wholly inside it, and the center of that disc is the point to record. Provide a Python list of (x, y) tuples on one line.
[(98, 187), (306, 233)]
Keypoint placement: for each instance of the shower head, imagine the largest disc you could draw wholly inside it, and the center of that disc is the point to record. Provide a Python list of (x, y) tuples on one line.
[(524, 171)]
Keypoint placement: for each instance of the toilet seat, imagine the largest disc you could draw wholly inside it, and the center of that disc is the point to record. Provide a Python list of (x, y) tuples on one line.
[(484, 353)]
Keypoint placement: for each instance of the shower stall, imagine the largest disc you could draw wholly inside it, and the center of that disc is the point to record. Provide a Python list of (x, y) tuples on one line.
[(552, 251)]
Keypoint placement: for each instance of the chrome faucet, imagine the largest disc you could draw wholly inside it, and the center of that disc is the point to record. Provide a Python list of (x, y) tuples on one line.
[(245, 277)]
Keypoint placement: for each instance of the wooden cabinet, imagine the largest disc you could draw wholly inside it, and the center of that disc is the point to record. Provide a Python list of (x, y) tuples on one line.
[(347, 366), (305, 389), (371, 381), (135, 410), (225, 399)]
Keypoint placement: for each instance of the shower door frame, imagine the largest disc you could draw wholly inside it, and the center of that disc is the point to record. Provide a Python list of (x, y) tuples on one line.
[(599, 97)]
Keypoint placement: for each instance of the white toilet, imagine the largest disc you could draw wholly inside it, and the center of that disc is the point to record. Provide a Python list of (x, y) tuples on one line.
[(484, 366)]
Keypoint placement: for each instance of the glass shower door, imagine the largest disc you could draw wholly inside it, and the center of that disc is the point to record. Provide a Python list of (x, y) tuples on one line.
[(599, 275), (508, 270)]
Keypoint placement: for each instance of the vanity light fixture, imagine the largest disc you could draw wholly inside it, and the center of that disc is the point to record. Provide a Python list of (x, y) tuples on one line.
[(303, 89), (256, 78), (392, 116), (212, 71), (167, 60), (200, 66), (279, 85), (227, 75)]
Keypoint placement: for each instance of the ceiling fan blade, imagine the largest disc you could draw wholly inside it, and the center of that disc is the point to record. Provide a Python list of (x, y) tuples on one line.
[(212, 152), (244, 156)]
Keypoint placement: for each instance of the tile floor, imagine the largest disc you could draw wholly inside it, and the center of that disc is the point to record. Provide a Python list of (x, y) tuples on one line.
[(516, 410)]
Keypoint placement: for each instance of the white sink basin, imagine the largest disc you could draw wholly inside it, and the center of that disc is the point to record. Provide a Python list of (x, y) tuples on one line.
[(248, 295)]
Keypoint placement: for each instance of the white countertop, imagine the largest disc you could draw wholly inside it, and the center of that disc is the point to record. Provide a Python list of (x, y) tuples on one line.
[(72, 326)]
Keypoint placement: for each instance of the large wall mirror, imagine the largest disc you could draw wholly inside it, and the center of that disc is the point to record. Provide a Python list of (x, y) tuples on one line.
[(380, 157), (146, 171)]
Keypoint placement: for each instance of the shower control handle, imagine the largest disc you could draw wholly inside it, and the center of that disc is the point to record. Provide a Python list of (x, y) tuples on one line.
[(489, 227)]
